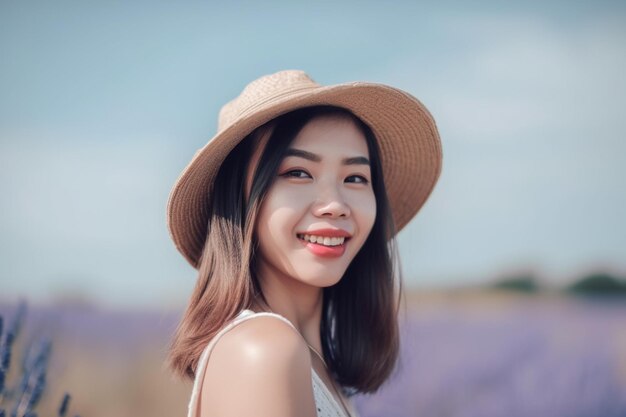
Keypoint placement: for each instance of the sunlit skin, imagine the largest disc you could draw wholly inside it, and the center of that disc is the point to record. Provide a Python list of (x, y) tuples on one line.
[(308, 195)]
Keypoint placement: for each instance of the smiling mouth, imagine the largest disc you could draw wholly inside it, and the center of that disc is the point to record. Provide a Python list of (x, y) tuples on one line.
[(323, 240)]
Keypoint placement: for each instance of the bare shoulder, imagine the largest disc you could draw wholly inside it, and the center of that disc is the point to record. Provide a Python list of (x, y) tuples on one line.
[(260, 367)]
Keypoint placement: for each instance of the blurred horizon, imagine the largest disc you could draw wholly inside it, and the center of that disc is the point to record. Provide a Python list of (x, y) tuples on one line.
[(102, 106)]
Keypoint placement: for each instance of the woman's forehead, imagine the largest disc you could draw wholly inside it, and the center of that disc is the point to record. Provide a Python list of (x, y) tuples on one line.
[(332, 133)]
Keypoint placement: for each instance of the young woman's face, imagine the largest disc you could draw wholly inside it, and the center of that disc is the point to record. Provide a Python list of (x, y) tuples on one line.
[(323, 185)]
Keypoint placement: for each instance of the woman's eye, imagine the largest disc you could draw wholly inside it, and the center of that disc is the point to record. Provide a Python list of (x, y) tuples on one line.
[(295, 173), (361, 179)]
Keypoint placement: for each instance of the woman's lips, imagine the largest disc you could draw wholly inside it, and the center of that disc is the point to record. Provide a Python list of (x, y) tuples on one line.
[(325, 251)]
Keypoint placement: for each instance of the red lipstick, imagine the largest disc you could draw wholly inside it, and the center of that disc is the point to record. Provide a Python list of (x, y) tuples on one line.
[(323, 250)]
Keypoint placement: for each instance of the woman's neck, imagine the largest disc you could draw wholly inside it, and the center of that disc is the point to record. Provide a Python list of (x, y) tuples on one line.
[(301, 304)]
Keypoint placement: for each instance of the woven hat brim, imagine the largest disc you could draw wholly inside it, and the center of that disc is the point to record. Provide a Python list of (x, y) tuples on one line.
[(408, 139)]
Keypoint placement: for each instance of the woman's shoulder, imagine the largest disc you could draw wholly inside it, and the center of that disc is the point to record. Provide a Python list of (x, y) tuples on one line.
[(261, 358), (263, 330)]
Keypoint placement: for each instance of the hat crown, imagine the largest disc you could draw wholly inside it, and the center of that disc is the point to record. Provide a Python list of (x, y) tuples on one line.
[(261, 90)]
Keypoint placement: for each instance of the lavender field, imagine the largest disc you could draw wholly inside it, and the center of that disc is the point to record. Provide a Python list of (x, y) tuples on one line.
[(463, 354), (516, 357)]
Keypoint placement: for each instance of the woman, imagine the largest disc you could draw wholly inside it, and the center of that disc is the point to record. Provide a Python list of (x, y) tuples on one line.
[(289, 214)]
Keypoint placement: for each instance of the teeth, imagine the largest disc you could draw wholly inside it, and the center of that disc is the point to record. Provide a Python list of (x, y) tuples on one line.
[(321, 240)]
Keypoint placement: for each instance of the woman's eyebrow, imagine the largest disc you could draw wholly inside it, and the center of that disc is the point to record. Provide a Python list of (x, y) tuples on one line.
[(356, 160)]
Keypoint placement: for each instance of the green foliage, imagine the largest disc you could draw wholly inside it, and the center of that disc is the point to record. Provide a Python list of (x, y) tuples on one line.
[(599, 283), (523, 283)]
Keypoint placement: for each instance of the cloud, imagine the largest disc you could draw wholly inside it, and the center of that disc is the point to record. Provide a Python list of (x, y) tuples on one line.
[(509, 77), (529, 113), (88, 214)]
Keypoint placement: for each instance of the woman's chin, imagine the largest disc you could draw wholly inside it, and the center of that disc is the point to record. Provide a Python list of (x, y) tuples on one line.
[(321, 278)]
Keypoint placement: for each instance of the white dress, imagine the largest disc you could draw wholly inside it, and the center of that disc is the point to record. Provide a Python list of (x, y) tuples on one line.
[(325, 402)]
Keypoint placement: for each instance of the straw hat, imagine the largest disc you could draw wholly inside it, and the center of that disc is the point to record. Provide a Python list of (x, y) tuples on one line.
[(410, 148)]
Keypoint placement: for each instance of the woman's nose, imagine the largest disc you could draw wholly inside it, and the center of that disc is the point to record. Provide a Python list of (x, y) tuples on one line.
[(332, 205)]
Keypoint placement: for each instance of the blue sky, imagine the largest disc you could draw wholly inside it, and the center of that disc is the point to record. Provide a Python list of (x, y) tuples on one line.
[(103, 104)]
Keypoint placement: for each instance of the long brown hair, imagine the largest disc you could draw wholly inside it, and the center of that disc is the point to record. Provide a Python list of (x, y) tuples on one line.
[(359, 324)]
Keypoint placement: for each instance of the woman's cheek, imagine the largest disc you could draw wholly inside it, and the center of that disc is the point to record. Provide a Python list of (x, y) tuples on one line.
[(283, 195), (365, 205)]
